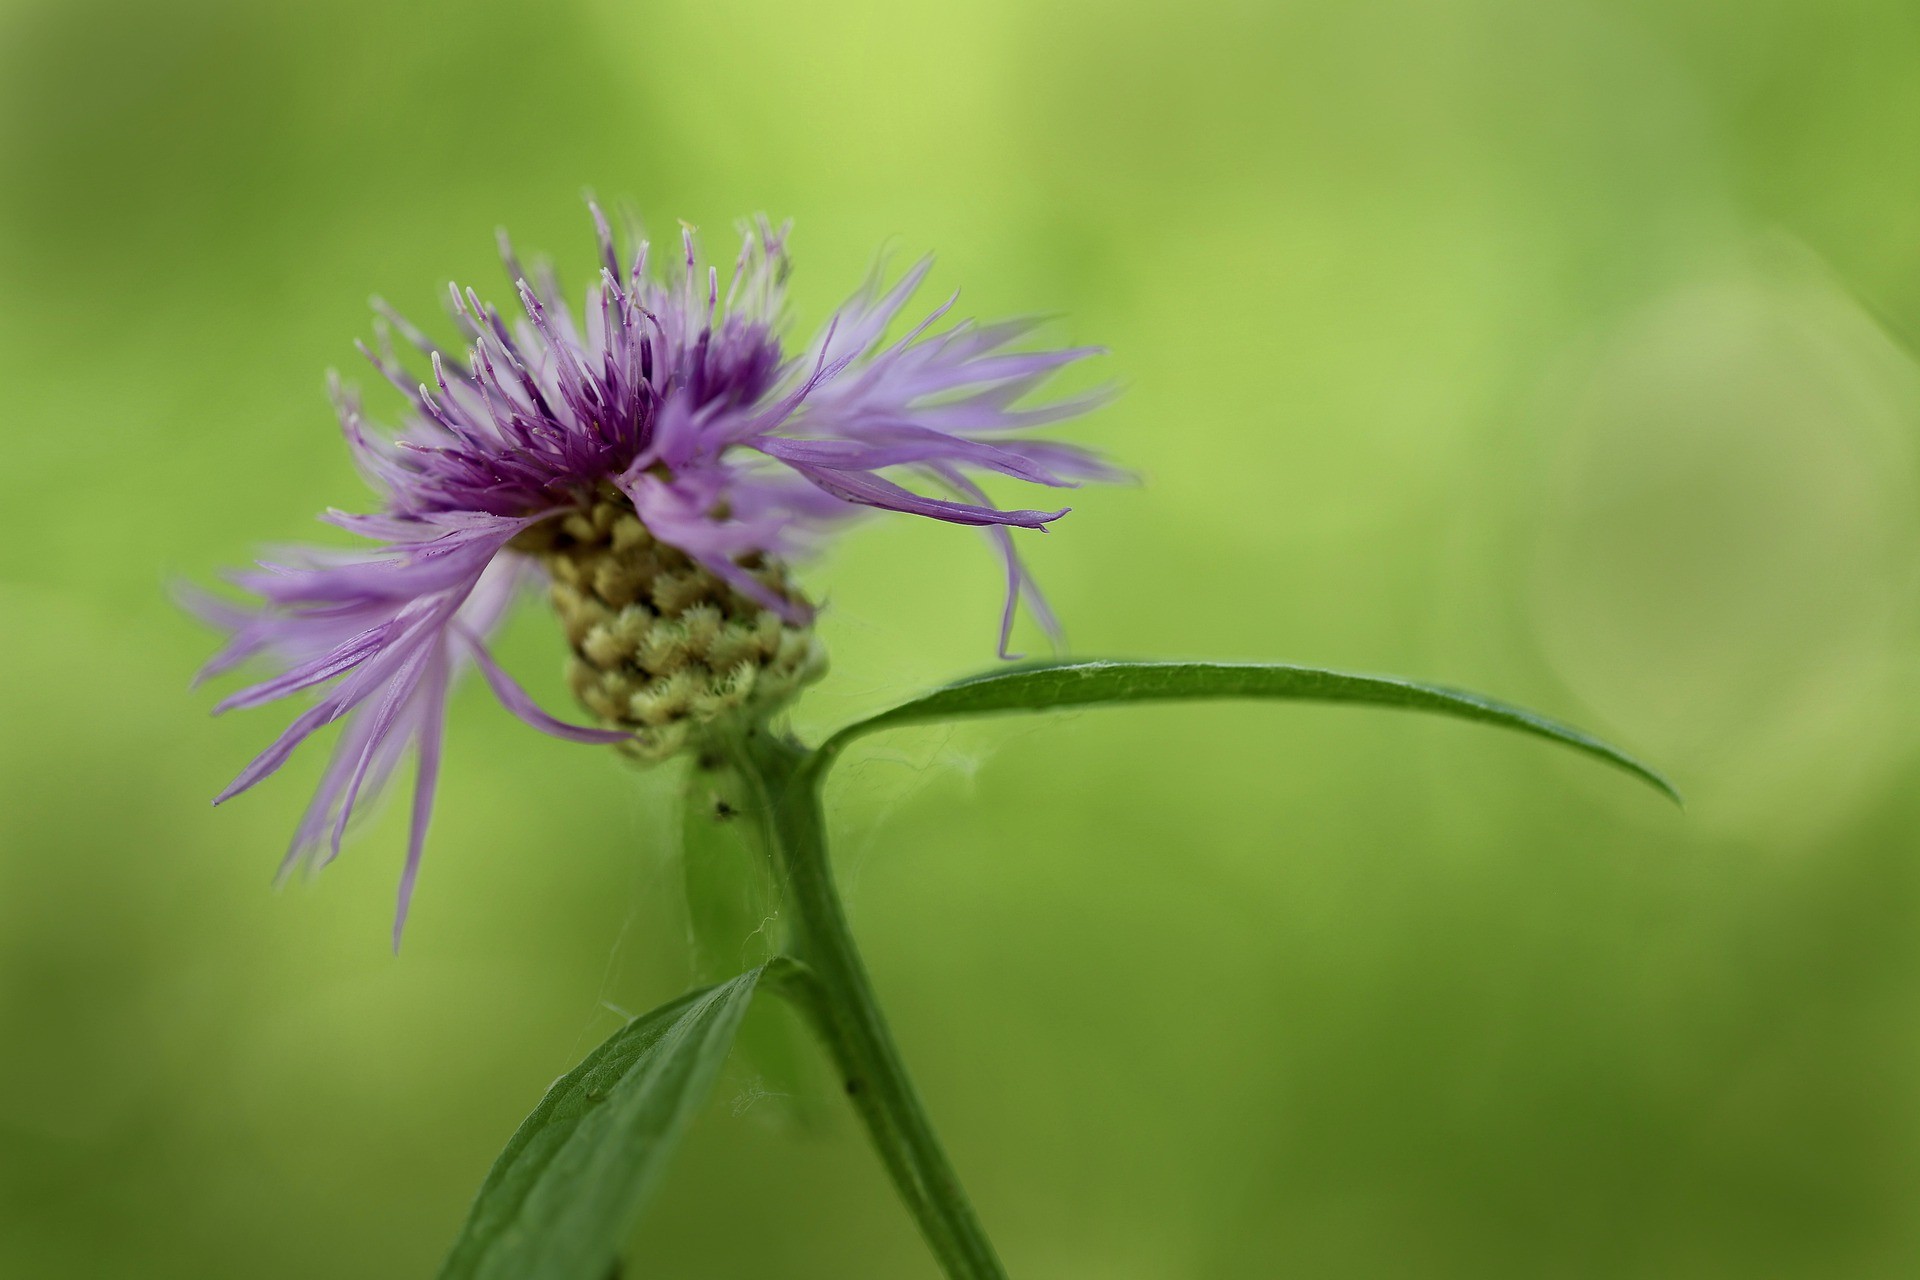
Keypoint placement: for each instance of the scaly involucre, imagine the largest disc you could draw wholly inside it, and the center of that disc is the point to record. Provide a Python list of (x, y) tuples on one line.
[(666, 393)]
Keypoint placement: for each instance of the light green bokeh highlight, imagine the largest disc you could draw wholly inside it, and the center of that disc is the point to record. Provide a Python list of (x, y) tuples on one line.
[(1553, 349)]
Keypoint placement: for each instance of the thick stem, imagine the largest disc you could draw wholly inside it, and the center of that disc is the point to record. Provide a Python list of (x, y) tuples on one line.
[(838, 1000)]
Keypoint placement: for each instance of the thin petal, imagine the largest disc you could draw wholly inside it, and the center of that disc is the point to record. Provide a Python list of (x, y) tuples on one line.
[(873, 491), (516, 700), (425, 782)]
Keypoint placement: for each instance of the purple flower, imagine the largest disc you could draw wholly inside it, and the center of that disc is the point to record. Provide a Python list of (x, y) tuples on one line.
[(659, 461)]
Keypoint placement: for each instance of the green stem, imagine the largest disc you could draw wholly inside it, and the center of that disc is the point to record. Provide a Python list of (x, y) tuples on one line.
[(834, 993)]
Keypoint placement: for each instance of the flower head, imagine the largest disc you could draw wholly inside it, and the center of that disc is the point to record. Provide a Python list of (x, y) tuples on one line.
[(659, 461)]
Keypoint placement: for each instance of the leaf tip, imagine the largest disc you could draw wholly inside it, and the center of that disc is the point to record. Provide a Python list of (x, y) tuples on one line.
[(1649, 775)]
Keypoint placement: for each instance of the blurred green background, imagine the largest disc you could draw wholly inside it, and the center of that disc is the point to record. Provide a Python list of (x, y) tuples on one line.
[(1550, 348)]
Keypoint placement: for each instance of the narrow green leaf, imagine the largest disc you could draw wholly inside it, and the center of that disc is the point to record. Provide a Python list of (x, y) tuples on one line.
[(564, 1194), (1060, 685), (733, 896), (736, 917)]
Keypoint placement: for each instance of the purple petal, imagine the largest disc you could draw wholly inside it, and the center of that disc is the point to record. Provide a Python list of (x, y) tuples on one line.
[(872, 491), (516, 700), (426, 780)]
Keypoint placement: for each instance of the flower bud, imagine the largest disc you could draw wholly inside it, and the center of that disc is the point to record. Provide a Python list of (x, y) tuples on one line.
[(662, 646)]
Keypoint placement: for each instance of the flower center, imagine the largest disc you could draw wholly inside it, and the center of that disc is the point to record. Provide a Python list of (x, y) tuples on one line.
[(733, 365), (662, 646)]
